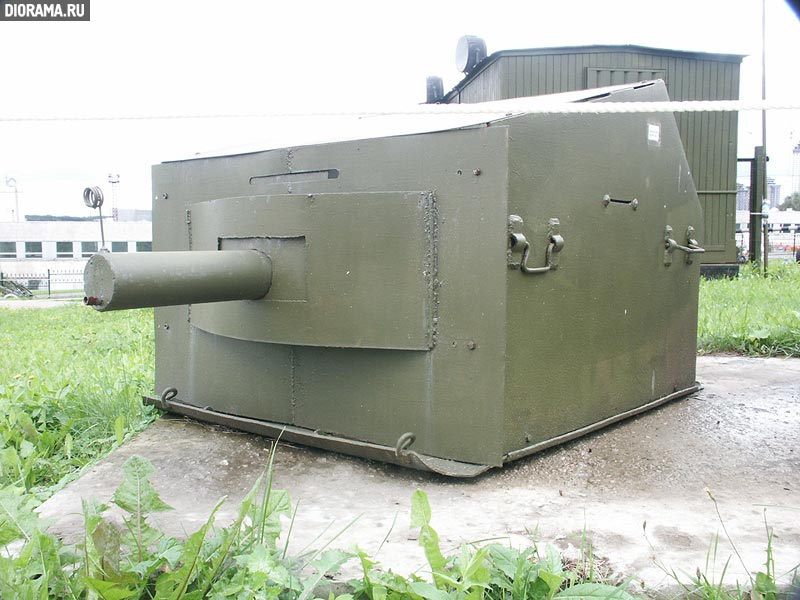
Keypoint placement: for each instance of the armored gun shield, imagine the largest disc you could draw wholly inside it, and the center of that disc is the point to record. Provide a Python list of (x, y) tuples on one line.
[(450, 299)]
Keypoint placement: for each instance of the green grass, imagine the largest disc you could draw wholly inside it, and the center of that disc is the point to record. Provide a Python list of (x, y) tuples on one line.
[(752, 315), (70, 389), (711, 582), (71, 380), (248, 559)]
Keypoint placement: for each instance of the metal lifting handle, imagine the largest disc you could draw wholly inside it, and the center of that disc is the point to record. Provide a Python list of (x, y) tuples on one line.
[(670, 245), (555, 243), (692, 248)]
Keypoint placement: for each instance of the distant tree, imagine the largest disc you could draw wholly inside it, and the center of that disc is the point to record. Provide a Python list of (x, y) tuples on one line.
[(792, 202)]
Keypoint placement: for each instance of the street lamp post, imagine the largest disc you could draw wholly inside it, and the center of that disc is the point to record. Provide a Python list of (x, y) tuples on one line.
[(114, 181), (11, 182)]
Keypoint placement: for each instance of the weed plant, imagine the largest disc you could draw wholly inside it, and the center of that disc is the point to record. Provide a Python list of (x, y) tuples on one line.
[(752, 314), (246, 560), (70, 389), (249, 558), (706, 584)]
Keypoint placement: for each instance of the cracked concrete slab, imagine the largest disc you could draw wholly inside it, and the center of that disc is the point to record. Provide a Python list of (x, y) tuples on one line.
[(738, 439)]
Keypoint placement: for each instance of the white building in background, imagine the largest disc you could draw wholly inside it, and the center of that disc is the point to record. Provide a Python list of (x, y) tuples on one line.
[(774, 198), (773, 193), (36, 247), (784, 231)]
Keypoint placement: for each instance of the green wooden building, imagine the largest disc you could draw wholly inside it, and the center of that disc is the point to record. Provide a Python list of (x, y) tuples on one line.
[(709, 138)]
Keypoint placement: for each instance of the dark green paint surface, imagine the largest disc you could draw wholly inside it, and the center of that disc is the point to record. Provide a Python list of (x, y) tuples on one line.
[(373, 353), (614, 327), (395, 305), (709, 138)]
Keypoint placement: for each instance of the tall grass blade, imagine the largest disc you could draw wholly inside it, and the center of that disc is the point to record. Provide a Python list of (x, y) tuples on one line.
[(173, 586), (230, 535)]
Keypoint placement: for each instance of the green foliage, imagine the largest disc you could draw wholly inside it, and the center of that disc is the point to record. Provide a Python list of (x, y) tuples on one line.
[(791, 202), (70, 389), (17, 518), (239, 561), (706, 584), (428, 538), (492, 572), (753, 315), (242, 561)]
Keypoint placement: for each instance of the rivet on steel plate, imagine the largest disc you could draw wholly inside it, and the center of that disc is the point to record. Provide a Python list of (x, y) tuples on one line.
[(164, 196), (471, 344), (606, 200), (476, 172), (635, 204)]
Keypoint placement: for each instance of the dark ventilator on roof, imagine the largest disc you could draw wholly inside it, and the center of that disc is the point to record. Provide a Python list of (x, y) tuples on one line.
[(434, 90), (470, 51)]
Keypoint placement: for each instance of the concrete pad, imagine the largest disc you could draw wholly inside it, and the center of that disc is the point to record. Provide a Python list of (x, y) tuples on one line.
[(739, 438)]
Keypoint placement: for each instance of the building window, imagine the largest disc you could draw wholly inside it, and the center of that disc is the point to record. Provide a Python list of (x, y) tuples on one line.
[(8, 249), (88, 248), (33, 249), (119, 246), (144, 246), (63, 249)]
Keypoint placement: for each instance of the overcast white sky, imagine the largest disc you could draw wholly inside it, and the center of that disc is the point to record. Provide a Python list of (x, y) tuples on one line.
[(248, 56)]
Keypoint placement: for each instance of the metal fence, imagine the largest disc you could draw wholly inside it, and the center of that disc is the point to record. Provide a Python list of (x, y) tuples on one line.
[(784, 241), (49, 284)]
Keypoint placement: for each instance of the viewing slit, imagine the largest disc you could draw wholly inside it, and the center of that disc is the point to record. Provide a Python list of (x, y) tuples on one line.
[(296, 176)]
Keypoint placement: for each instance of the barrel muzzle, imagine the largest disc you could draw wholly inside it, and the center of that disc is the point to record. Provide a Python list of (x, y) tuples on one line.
[(139, 280)]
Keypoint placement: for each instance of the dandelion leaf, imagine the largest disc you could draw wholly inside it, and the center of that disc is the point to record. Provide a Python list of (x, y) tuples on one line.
[(136, 495)]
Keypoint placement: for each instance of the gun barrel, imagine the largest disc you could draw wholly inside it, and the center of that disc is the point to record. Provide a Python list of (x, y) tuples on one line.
[(124, 281)]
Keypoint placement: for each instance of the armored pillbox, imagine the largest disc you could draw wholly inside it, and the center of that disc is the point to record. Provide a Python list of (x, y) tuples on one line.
[(466, 291)]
